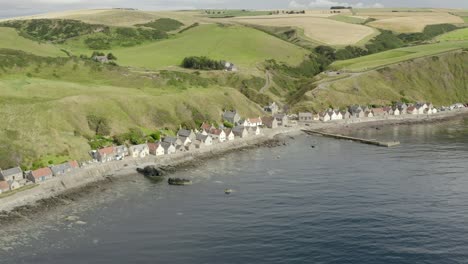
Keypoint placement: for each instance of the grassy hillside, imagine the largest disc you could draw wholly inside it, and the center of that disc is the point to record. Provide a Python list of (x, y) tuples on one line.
[(241, 45), (11, 40), (440, 79), (397, 55), (457, 35), (44, 104)]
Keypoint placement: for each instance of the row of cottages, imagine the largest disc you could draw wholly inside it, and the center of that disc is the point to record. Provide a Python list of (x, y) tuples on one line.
[(46, 173), (15, 178)]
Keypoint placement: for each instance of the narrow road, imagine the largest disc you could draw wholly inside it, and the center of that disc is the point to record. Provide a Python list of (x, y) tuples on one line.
[(267, 82)]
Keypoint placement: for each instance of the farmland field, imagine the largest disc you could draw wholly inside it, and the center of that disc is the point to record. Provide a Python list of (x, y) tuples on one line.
[(457, 35), (349, 19), (321, 30), (241, 45), (411, 21), (11, 40), (395, 56)]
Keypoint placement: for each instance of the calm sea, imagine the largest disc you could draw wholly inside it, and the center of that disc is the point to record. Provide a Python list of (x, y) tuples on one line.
[(336, 202)]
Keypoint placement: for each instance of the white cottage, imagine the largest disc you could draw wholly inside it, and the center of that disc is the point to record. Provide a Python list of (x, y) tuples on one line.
[(156, 149), (139, 151), (218, 135), (325, 117), (168, 147), (229, 134)]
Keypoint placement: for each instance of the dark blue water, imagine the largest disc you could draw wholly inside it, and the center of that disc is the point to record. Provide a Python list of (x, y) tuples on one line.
[(340, 202)]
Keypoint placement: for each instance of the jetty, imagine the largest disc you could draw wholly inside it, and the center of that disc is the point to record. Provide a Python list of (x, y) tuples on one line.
[(387, 144)]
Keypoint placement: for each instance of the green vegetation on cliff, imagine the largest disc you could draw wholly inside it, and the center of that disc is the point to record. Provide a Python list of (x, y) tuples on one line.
[(440, 79)]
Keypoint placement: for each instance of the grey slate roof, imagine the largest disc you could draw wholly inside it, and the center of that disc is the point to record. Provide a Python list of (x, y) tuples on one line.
[(139, 148), (166, 145), (229, 114), (202, 137), (184, 133), (12, 171), (171, 140), (61, 168)]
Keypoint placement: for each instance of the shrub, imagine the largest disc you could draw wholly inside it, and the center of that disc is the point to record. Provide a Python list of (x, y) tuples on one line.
[(99, 125), (202, 63), (163, 24)]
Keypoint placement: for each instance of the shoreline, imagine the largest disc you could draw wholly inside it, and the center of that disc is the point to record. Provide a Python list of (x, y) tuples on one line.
[(96, 176), (57, 191)]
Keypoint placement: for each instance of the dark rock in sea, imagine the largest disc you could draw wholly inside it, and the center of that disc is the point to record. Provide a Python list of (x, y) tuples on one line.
[(151, 171), (178, 181), (312, 146)]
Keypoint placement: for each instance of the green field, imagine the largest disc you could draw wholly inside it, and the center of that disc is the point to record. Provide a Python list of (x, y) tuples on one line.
[(457, 35), (243, 46), (348, 19), (395, 56), (11, 40)]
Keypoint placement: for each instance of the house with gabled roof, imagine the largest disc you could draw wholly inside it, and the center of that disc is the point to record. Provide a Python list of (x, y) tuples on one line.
[(282, 119), (254, 122), (231, 117), (13, 174), (218, 135), (105, 154), (421, 108), (204, 140), (61, 169), (169, 148), (121, 152), (156, 149), (335, 115), (40, 175), (411, 110), (240, 131), (173, 140), (388, 110), (229, 135), (139, 151), (368, 114), (185, 133), (396, 111), (324, 116), (345, 114), (206, 126), (270, 122)]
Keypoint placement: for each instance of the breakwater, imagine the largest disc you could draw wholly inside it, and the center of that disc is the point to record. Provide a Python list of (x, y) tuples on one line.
[(361, 140)]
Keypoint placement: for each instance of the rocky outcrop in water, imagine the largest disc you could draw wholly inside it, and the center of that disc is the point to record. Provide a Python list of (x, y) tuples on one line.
[(151, 171), (178, 181)]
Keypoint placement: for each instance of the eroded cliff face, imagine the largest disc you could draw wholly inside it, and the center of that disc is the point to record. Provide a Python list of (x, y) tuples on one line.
[(441, 79)]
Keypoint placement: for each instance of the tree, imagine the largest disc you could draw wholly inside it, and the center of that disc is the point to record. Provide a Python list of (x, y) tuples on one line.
[(100, 125), (111, 56)]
